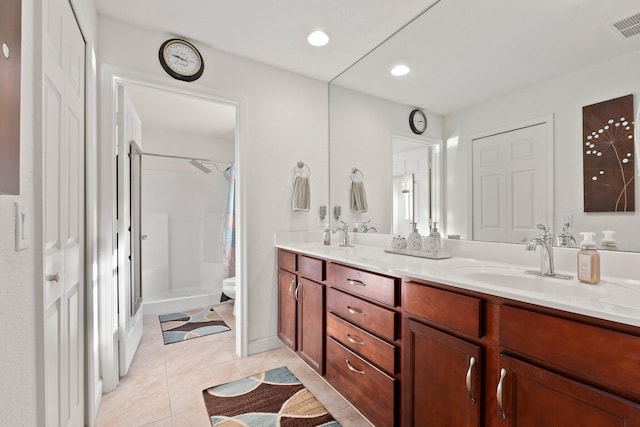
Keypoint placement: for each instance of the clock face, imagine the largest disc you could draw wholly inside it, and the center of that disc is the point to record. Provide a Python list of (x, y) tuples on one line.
[(181, 60), (418, 121)]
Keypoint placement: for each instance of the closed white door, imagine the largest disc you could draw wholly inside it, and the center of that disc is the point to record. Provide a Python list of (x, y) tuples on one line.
[(130, 310), (63, 187), (510, 174)]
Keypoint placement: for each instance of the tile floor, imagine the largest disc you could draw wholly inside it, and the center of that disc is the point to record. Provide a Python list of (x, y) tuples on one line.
[(164, 385)]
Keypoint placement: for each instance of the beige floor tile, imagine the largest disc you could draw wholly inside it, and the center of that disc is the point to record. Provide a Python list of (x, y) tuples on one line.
[(349, 417), (167, 422), (186, 389), (165, 382), (198, 353), (198, 418), (137, 401)]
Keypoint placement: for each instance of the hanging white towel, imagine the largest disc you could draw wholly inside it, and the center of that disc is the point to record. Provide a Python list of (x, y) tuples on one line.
[(358, 197), (301, 193)]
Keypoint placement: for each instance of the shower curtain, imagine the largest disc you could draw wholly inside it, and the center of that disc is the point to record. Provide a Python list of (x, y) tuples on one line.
[(229, 230)]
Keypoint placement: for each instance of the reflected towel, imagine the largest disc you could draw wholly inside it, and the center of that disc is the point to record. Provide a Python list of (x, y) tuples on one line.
[(301, 193), (358, 197)]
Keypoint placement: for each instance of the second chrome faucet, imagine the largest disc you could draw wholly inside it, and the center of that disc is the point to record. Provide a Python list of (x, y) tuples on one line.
[(545, 242)]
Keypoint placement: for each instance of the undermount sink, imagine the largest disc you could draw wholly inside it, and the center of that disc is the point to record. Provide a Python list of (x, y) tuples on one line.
[(505, 276)]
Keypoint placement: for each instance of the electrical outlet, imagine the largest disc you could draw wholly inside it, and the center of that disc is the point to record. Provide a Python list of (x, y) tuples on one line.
[(21, 232)]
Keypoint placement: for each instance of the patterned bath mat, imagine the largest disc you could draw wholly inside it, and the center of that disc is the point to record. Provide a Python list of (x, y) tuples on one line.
[(190, 324), (271, 399)]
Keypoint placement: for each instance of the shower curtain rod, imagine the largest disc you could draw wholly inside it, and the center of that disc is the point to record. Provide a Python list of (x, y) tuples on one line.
[(186, 158)]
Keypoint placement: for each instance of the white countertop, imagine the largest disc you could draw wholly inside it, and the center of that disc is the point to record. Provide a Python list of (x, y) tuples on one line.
[(617, 300)]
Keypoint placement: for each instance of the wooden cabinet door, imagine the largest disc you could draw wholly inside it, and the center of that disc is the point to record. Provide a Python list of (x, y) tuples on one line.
[(287, 308), (442, 383), (311, 323), (534, 397)]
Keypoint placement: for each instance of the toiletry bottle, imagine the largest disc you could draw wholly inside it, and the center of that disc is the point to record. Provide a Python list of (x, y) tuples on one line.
[(327, 237), (414, 241), (608, 241), (434, 240), (588, 260)]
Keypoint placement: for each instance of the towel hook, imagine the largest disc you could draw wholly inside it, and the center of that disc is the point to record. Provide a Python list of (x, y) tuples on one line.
[(300, 168), (357, 173)]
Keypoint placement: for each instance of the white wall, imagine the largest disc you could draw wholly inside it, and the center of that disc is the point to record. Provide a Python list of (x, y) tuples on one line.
[(563, 97), (22, 354), (283, 119), (361, 130)]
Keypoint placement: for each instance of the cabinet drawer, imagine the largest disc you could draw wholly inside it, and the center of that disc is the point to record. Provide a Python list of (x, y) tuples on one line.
[(311, 267), (287, 260), (373, 318), (370, 390), (597, 354), (369, 285), (368, 346), (449, 309)]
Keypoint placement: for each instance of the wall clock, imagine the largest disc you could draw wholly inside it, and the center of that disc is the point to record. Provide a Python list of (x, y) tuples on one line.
[(418, 122), (181, 60)]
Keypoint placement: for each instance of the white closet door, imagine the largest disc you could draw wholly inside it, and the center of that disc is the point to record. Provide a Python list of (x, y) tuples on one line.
[(63, 188), (510, 184), (130, 318)]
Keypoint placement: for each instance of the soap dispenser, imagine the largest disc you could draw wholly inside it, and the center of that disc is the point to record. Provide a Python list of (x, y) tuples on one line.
[(433, 242), (588, 260), (608, 241), (414, 241)]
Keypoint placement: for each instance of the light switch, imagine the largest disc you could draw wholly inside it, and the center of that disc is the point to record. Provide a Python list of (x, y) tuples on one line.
[(21, 229)]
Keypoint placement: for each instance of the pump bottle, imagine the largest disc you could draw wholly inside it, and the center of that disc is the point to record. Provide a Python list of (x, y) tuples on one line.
[(588, 260)]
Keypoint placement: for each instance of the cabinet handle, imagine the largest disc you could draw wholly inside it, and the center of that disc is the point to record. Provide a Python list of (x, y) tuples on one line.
[(296, 293), (503, 373), (472, 363), (356, 282), (291, 288), (353, 340), (54, 278), (354, 311), (351, 368)]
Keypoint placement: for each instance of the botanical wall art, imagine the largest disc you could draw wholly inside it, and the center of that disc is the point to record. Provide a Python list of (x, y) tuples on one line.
[(608, 156), (10, 14)]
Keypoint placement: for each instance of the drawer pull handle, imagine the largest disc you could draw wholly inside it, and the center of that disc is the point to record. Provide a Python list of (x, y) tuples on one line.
[(472, 363), (356, 282), (503, 373), (354, 311), (296, 292), (291, 288), (54, 278), (353, 340), (352, 369)]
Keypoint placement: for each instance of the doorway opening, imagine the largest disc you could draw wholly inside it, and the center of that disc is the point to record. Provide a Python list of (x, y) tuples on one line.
[(176, 165)]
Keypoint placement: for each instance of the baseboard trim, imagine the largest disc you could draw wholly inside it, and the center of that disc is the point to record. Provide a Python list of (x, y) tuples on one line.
[(263, 344)]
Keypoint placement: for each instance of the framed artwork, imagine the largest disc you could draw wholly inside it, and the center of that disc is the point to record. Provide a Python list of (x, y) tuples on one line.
[(608, 156), (10, 49)]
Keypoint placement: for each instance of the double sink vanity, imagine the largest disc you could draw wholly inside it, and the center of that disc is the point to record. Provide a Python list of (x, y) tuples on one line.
[(461, 341)]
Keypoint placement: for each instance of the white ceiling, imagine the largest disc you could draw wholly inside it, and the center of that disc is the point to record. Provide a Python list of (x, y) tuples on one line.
[(275, 31), (461, 52)]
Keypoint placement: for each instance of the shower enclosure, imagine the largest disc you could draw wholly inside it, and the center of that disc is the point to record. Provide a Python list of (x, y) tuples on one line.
[(183, 204)]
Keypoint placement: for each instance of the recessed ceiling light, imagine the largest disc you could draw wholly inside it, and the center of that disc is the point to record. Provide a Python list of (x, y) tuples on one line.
[(400, 70), (318, 38)]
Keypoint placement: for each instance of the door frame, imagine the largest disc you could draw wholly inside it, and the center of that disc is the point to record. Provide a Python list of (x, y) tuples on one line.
[(111, 78), (545, 120)]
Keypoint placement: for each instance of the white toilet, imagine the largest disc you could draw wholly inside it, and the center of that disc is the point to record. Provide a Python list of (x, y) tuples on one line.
[(229, 289)]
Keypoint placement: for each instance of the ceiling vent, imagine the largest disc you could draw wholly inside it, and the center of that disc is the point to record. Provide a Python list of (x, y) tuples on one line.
[(627, 27)]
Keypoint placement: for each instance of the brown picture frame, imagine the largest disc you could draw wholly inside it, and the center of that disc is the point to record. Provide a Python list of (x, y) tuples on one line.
[(608, 156), (10, 57)]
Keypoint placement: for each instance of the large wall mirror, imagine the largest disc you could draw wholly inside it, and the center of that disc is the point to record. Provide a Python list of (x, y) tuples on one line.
[(480, 70)]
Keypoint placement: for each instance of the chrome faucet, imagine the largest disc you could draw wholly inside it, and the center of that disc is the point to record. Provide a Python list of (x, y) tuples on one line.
[(564, 238), (366, 228), (545, 242), (345, 234)]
